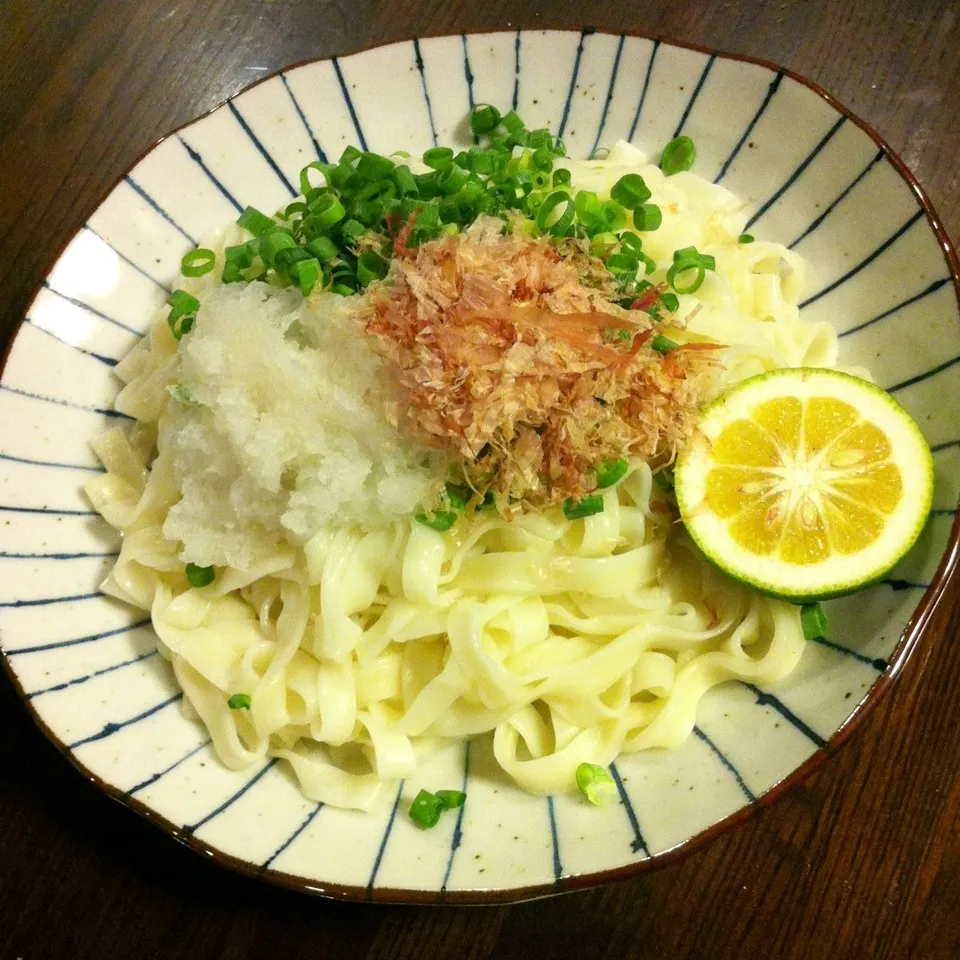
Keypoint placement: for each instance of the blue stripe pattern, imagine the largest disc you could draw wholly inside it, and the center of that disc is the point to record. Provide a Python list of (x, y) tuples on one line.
[(946, 445), (127, 260), (606, 103), (863, 263), (293, 836), (694, 95), (210, 175), (771, 90), (111, 728), (51, 463), (261, 149), (108, 361), (61, 644), (878, 663), (638, 843), (56, 688), (897, 585), (173, 766), (557, 865), (826, 213), (926, 375), (49, 510), (467, 72), (57, 556), (383, 841), (792, 179), (722, 757), (65, 403), (936, 285), (643, 92), (45, 602), (769, 700), (573, 85), (303, 119), (262, 772), (516, 71), (86, 307), (457, 838), (158, 209), (418, 59), (349, 102)]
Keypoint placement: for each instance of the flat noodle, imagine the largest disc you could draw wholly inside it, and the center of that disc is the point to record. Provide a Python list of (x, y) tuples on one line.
[(363, 650)]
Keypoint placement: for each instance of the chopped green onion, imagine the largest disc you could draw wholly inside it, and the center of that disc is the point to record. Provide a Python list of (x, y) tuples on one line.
[(745, 238), (678, 155), (662, 344), (273, 242), (512, 123), (596, 784), (813, 620), (623, 265), (630, 243), (484, 118), (326, 210), (561, 177), (323, 248), (242, 254), (370, 267), (199, 576), (686, 260), (256, 222), (350, 155), (451, 799), (664, 479), (197, 262), (647, 217), (630, 191), (610, 472), (305, 185), (439, 520), (426, 809), (488, 502), (351, 231), (371, 166), (239, 701), (232, 273), (451, 179), (183, 310), (556, 225), (670, 302), (306, 273), (438, 158), (587, 507)]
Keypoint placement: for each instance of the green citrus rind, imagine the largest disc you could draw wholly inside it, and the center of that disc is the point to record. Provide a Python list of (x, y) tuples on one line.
[(823, 580)]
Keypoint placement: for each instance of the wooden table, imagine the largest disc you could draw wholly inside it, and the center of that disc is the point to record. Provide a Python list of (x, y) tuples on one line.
[(861, 861)]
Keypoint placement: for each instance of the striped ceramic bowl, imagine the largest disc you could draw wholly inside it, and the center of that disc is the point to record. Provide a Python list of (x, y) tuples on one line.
[(815, 177)]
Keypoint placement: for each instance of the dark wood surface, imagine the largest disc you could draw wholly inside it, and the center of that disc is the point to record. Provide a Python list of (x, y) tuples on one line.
[(863, 861)]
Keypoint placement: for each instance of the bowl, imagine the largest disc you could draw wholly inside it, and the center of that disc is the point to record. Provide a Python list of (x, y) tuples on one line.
[(813, 175)]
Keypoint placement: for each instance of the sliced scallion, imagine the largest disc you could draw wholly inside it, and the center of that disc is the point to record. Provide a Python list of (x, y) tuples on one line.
[(239, 701), (662, 345), (678, 155), (596, 784), (610, 472), (425, 809), (197, 262), (256, 222), (813, 620), (199, 576), (586, 507)]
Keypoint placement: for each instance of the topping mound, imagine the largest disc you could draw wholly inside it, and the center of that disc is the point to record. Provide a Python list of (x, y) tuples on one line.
[(515, 356)]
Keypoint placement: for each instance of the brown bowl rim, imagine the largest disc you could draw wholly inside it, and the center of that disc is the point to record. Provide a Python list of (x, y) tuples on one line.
[(911, 636)]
